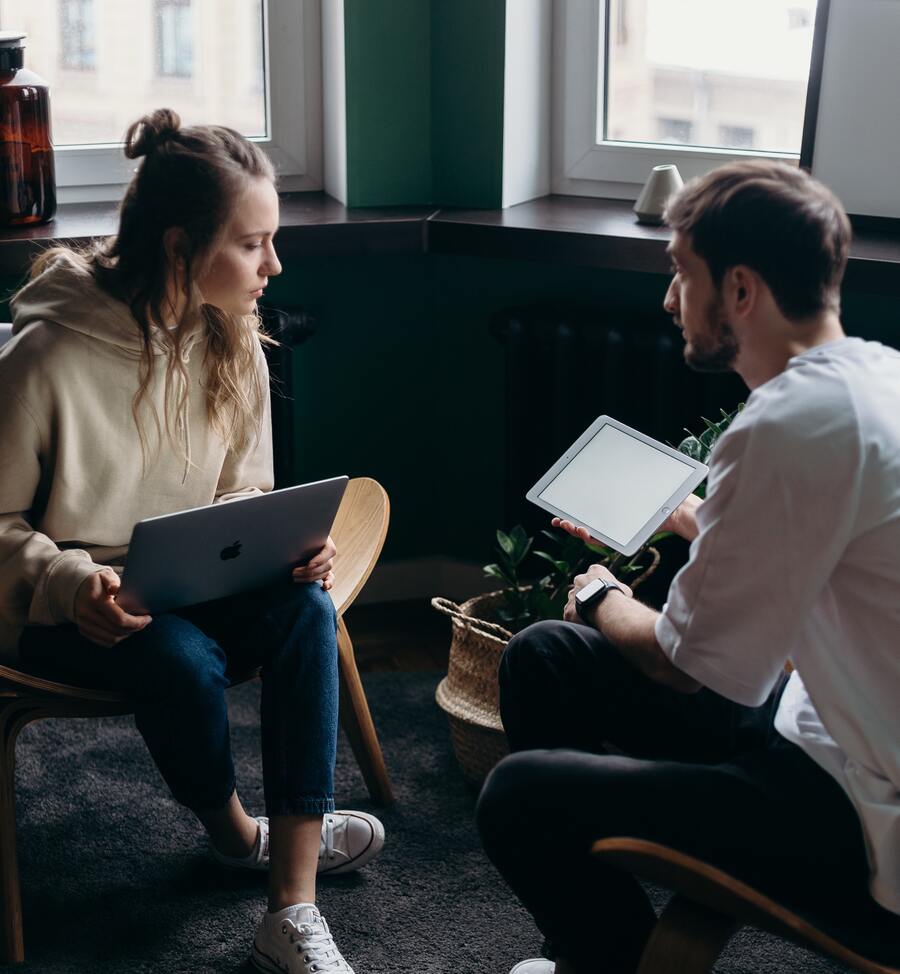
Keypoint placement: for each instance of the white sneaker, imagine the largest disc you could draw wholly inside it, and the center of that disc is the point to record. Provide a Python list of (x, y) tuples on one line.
[(537, 965), (297, 940), (349, 840)]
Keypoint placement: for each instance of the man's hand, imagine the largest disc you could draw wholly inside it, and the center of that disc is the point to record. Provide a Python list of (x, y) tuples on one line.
[(683, 520), (570, 614), (97, 616), (319, 567)]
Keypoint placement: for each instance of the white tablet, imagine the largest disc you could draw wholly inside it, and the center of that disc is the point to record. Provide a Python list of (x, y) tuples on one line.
[(618, 483)]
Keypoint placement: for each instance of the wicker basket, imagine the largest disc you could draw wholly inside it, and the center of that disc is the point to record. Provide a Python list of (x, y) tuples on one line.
[(469, 692)]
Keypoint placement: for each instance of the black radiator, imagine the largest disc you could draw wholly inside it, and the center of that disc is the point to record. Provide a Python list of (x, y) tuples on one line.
[(563, 370), (290, 327)]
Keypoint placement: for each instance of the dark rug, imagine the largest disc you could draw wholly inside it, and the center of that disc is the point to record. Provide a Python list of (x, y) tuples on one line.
[(117, 878)]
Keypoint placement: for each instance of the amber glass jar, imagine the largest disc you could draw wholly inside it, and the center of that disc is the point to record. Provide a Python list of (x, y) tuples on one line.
[(27, 177)]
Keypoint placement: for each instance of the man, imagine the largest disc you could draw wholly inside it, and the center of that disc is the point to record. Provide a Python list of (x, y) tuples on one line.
[(682, 727)]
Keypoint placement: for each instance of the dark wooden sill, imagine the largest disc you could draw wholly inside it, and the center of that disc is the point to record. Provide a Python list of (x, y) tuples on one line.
[(557, 229)]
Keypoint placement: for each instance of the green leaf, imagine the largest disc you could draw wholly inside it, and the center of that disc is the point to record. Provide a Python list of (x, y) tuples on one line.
[(495, 571), (505, 542)]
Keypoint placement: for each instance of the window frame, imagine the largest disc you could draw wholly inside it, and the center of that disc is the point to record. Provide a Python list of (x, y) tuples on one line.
[(582, 166), (86, 174)]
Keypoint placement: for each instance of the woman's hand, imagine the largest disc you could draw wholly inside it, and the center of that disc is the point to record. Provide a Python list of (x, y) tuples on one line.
[(319, 567), (97, 616)]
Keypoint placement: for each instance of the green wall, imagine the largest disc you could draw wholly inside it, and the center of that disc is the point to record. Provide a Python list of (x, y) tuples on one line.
[(424, 101), (404, 382)]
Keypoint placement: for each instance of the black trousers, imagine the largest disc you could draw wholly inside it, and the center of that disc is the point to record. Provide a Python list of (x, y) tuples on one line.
[(601, 751)]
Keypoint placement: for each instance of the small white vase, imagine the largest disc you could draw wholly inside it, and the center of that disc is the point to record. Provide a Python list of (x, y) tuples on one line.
[(661, 184)]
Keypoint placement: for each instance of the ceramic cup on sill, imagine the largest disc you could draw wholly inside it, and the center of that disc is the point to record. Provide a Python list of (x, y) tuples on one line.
[(661, 184)]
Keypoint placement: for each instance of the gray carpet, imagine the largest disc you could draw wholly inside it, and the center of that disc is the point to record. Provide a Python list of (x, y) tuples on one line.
[(117, 877)]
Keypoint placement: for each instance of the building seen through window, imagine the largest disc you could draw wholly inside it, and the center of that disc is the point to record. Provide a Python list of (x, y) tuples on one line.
[(76, 34), (107, 62), (720, 73), (174, 38)]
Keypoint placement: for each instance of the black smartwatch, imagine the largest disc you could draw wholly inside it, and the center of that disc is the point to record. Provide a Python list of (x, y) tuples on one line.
[(588, 598)]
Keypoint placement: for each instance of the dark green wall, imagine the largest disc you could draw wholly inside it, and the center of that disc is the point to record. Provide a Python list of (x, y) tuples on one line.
[(388, 75), (404, 382), (424, 101)]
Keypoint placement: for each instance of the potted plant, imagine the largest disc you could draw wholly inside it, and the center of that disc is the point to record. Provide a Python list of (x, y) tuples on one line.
[(484, 624)]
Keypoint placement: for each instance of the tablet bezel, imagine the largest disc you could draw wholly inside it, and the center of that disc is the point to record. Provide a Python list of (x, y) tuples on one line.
[(651, 525)]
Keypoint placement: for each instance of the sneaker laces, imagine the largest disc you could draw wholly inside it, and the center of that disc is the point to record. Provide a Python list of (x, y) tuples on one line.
[(327, 849), (319, 950)]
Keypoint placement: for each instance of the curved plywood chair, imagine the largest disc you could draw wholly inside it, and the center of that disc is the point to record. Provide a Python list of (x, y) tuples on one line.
[(359, 532), (709, 906)]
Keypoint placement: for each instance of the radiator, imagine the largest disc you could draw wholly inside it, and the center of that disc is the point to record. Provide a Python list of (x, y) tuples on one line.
[(565, 369)]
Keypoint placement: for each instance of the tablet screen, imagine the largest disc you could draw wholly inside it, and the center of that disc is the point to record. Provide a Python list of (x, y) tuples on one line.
[(615, 483)]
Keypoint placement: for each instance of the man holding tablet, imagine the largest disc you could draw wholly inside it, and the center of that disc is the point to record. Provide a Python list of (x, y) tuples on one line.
[(682, 726)]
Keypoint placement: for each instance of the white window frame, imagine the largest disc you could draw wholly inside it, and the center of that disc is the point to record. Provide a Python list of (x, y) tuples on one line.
[(581, 165), (293, 59)]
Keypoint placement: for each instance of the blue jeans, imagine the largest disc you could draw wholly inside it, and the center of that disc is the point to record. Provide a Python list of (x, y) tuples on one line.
[(178, 668)]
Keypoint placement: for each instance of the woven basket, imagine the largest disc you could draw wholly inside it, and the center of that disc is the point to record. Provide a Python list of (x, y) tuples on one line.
[(469, 693)]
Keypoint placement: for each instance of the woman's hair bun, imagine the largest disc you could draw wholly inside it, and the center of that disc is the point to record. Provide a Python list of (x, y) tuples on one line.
[(150, 132)]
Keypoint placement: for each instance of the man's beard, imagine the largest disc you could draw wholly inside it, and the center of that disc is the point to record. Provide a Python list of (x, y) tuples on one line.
[(717, 349)]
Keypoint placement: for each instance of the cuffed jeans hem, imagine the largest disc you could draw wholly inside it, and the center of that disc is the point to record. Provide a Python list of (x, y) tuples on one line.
[(204, 806), (300, 806)]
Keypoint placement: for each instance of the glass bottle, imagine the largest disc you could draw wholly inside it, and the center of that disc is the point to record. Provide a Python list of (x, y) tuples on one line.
[(27, 176)]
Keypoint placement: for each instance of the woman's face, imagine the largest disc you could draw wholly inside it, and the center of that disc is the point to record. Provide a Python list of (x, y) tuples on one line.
[(245, 258)]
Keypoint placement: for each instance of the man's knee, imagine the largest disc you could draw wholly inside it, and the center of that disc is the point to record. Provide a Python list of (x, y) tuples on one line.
[(532, 650), (508, 794)]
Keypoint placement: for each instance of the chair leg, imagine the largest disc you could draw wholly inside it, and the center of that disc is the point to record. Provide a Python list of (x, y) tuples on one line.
[(357, 723), (687, 939), (12, 945)]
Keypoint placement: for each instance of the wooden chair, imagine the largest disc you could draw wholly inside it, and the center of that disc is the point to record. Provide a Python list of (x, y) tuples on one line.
[(359, 531), (709, 906)]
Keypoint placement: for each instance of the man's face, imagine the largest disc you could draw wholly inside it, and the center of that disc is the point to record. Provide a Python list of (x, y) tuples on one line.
[(697, 306)]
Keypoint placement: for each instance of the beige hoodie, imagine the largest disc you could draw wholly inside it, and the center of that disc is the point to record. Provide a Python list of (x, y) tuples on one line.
[(72, 481)]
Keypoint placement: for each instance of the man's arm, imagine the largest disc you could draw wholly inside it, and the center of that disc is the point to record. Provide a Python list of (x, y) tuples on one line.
[(630, 627)]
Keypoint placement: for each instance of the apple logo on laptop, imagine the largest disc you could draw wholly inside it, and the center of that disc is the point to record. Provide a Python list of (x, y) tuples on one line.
[(232, 551)]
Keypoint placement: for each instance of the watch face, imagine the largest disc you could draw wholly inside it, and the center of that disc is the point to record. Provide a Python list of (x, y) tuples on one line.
[(590, 591)]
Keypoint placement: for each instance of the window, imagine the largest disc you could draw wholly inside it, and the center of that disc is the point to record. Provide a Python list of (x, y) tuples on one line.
[(737, 136), (76, 33), (174, 38), (677, 130), (696, 82), (254, 65)]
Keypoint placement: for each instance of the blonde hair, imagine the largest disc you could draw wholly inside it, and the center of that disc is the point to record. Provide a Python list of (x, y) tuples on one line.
[(189, 179)]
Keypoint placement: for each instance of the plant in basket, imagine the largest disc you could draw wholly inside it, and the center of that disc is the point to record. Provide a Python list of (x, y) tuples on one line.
[(535, 586)]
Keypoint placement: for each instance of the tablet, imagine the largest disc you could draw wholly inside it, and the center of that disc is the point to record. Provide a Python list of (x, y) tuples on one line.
[(618, 483)]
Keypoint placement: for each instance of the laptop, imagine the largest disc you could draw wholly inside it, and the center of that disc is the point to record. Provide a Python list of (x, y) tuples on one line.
[(209, 552)]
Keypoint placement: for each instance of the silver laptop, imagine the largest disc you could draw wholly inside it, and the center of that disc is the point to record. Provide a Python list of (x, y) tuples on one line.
[(209, 552)]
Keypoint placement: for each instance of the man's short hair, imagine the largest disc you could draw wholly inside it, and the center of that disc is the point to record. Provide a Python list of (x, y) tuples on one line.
[(775, 219)]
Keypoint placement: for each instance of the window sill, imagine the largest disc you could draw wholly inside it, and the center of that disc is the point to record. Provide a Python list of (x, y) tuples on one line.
[(557, 229)]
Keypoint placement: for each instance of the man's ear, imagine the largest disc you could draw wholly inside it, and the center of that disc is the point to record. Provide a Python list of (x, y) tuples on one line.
[(742, 288)]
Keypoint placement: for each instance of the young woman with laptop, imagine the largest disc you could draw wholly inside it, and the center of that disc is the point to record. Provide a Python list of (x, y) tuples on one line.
[(134, 386)]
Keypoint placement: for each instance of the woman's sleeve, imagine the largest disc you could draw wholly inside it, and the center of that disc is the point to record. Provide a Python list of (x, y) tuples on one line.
[(249, 470), (38, 581)]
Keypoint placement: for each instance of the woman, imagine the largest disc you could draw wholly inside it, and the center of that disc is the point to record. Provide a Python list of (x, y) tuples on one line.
[(136, 385)]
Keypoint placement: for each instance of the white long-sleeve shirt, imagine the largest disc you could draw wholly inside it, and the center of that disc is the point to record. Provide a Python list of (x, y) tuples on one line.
[(798, 557)]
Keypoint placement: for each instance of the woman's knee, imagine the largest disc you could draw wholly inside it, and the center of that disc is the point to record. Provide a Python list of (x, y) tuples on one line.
[(177, 658)]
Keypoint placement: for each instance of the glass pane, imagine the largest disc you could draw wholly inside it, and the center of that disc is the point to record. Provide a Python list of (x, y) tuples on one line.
[(729, 74), (109, 61)]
